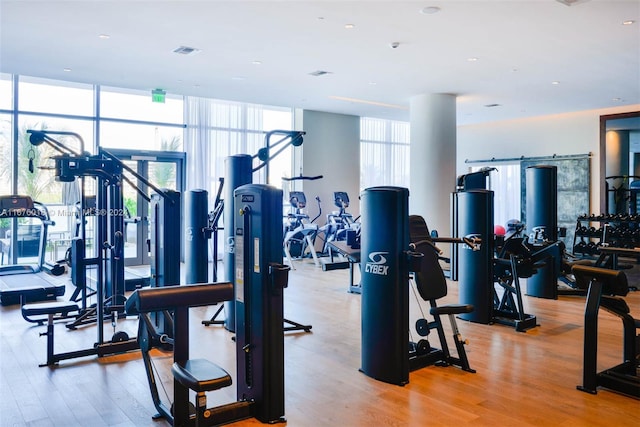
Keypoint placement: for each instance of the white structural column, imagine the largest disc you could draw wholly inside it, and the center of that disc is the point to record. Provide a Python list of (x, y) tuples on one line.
[(433, 159)]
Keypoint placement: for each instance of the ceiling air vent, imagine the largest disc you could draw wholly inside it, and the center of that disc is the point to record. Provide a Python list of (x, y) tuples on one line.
[(492, 105), (319, 73), (186, 50)]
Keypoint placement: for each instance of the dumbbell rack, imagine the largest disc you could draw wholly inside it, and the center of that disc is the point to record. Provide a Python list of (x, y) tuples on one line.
[(594, 231)]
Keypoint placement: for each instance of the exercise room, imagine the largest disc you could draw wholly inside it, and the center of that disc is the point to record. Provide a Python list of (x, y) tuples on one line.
[(320, 213)]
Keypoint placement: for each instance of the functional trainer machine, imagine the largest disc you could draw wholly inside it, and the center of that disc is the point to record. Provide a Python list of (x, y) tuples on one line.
[(239, 171), (605, 290), (109, 262), (260, 278)]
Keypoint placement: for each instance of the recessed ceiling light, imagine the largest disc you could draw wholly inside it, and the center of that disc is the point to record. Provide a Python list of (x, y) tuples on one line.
[(429, 10), (349, 26), (472, 59), (256, 62), (66, 70), (373, 83), (628, 22), (104, 36), (555, 82), (617, 99)]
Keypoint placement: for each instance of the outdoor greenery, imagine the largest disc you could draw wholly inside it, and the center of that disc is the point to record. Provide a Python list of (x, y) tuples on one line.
[(40, 184)]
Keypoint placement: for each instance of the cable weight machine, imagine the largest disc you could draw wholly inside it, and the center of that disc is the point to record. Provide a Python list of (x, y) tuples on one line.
[(239, 171), (109, 172)]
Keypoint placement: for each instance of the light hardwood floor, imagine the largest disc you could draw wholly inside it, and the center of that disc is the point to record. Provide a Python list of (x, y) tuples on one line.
[(524, 379)]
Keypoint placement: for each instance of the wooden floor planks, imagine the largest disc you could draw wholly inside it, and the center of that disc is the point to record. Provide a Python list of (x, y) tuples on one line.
[(524, 379)]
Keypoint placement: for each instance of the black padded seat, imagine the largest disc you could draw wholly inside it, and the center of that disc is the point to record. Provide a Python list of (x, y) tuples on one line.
[(452, 309), (46, 308), (201, 375)]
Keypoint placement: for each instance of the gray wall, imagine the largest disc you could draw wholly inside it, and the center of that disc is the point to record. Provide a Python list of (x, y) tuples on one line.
[(561, 134), (331, 148)]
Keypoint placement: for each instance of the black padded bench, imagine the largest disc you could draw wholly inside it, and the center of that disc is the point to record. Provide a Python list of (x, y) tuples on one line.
[(605, 289), (53, 311)]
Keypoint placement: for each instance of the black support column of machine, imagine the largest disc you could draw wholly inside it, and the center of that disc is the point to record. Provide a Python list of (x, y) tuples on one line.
[(196, 250), (477, 180), (260, 278), (385, 292), (238, 172), (475, 219), (542, 222)]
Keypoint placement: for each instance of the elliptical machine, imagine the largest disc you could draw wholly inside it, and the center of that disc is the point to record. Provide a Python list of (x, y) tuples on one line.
[(299, 231), (339, 222)]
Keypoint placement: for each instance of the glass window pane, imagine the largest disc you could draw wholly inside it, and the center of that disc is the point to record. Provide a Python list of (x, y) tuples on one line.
[(6, 92), (55, 96), (140, 137), (137, 105), (5, 154), (40, 183)]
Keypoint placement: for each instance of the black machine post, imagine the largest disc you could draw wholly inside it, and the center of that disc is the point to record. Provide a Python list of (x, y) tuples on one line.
[(385, 294), (477, 180), (165, 238), (260, 278), (238, 173), (542, 221), (475, 218), (165, 241), (195, 250)]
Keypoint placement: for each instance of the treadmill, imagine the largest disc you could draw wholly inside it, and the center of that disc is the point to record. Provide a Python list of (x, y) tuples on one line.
[(20, 282)]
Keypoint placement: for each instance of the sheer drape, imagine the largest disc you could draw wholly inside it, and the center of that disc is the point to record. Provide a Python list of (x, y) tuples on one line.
[(215, 130), (505, 184), (384, 153)]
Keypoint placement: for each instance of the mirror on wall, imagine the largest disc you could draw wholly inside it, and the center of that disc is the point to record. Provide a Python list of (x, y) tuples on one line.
[(620, 163)]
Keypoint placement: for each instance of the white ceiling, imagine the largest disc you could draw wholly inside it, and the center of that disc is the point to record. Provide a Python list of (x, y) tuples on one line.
[(521, 48)]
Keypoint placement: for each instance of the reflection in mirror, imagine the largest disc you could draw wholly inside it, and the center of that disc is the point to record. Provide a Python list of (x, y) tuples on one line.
[(620, 163)]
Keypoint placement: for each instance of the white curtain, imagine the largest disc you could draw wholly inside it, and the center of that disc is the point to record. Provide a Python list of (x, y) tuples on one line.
[(215, 130), (384, 153), (505, 184), (197, 142)]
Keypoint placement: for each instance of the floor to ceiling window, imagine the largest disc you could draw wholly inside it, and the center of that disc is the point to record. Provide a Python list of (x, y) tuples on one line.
[(384, 153)]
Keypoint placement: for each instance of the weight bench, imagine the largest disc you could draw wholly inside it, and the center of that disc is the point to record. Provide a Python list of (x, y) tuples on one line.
[(57, 310), (606, 288), (199, 375)]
